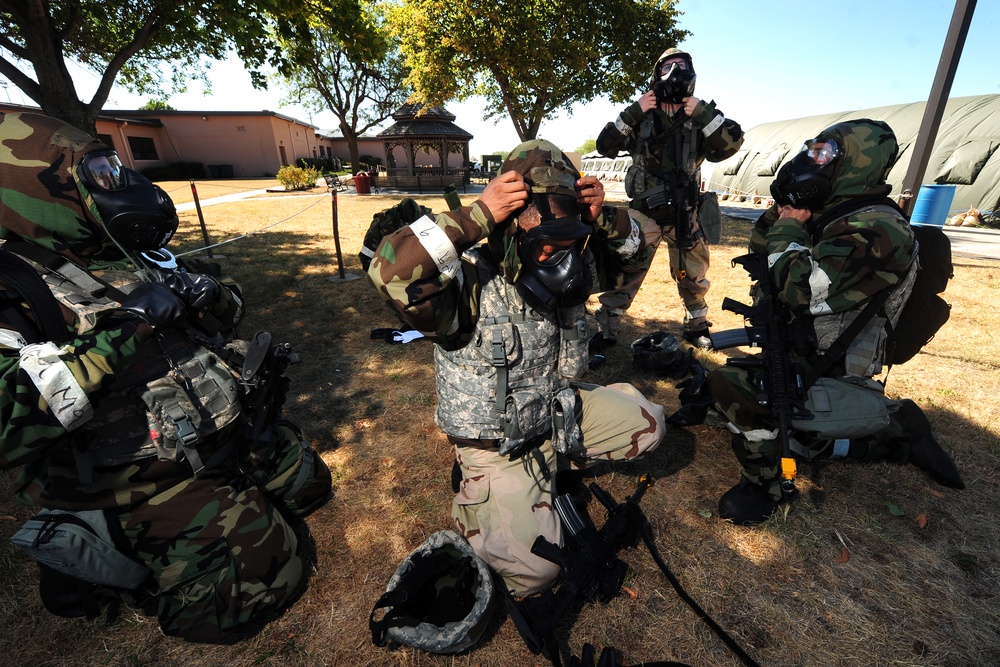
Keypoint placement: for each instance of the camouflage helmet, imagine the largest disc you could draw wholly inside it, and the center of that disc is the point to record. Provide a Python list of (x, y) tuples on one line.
[(440, 599), (39, 198), (546, 170)]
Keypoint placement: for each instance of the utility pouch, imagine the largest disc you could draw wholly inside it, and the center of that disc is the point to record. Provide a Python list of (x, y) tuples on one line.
[(635, 177), (81, 545), (566, 435), (524, 420), (710, 216), (573, 355), (845, 409)]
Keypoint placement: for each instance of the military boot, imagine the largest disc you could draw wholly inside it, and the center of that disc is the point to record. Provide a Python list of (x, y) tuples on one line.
[(925, 452), (699, 338), (596, 346), (747, 504)]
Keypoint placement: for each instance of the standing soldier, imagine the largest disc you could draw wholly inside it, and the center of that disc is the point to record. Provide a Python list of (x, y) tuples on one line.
[(509, 324), (669, 133)]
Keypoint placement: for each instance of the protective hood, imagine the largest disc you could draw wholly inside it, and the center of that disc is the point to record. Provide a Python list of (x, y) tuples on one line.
[(679, 85), (546, 170), (869, 150), (39, 197)]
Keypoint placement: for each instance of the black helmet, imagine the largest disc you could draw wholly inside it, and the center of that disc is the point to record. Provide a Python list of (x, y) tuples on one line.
[(440, 599)]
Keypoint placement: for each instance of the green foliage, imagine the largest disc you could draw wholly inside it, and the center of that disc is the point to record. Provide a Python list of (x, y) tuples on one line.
[(298, 178), (530, 58), (369, 161), (361, 87), (156, 105), (588, 146), (133, 42)]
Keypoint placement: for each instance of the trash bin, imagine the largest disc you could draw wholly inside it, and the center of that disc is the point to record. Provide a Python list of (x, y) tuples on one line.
[(363, 183), (932, 205)]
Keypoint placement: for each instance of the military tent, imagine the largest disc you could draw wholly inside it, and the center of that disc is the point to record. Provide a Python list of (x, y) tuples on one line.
[(965, 152)]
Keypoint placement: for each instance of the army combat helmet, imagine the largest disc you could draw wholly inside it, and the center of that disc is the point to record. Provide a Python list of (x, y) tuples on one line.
[(559, 280), (439, 600)]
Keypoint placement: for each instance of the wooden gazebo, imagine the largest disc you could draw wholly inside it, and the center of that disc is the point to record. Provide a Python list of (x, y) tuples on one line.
[(431, 132)]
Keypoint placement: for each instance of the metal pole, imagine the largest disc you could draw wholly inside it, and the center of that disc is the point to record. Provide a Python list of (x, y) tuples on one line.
[(336, 235), (201, 219), (945, 76)]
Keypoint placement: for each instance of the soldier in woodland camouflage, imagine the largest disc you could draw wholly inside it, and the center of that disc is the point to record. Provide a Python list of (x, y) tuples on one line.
[(509, 324), (669, 133), (833, 242), (122, 395)]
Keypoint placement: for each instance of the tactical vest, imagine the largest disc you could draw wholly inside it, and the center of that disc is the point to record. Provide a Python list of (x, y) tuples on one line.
[(652, 167), (171, 400), (511, 382), (865, 355)]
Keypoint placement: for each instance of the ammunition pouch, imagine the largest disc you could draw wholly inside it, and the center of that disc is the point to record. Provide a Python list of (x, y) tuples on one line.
[(844, 408), (566, 435)]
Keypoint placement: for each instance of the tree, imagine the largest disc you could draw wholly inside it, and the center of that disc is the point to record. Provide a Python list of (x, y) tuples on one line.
[(588, 146), (134, 39), (529, 58), (157, 105), (361, 90)]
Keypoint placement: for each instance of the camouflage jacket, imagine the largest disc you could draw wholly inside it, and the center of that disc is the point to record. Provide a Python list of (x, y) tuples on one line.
[(424, 277), (828, 278), (57, 400), (650, 137)]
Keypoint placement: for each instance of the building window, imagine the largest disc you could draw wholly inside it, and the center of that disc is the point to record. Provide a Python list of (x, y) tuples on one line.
[(241, 128), (106, 140), (142, 148)]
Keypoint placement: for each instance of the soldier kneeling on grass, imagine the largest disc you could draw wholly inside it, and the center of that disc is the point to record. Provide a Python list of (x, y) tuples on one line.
[(147, 431), (508, 320)]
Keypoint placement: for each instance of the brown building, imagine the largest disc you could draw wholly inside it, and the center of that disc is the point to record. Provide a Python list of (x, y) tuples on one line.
[(240, 144)]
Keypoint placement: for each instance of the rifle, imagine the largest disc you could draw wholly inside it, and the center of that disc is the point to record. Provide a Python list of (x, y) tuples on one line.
[(590, 568), (263, 377), (779, 379)]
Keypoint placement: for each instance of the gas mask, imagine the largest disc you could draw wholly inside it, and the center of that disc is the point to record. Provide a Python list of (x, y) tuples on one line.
[(553, 273), (673, 83), (806, 181), (136, 213)]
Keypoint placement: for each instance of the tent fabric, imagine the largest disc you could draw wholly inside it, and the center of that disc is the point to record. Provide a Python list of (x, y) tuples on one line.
[(965, 153)]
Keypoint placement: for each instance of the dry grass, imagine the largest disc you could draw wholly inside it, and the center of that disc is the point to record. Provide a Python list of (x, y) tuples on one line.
[(906, 596)]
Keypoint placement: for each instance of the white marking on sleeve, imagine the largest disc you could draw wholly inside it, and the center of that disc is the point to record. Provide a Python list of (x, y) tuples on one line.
[(54, 380), (437, 244)]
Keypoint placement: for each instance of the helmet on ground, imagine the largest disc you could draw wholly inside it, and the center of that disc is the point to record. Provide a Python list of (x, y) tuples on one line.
[(439, 600), (674, 82)]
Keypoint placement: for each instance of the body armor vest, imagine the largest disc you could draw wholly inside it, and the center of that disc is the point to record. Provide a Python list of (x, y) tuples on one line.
[(866, 353), (654, 162), (511, 382), (171, 396)]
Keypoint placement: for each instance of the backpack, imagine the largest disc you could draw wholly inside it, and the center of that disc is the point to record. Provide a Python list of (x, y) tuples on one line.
[(925, 312)]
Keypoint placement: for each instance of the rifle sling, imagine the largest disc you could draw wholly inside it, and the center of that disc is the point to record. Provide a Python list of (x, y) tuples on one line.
[(29, 286)]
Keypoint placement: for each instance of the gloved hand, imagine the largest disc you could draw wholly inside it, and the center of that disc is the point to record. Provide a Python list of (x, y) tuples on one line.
[(197, 290), (155, 304)]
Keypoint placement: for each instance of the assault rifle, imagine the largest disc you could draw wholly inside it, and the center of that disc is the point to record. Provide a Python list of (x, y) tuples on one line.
[(779, 379), (590, 568), (263, 376)]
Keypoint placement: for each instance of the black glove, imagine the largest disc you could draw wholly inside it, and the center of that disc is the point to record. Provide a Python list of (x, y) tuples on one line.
[(197, 290), (155, 304)]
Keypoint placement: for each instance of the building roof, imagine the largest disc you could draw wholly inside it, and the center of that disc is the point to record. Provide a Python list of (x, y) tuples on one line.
[(415, 120)]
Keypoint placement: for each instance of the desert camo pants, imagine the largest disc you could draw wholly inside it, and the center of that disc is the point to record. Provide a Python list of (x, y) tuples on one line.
[(503, 505), (690, 276), (223, 548), (756, 444)]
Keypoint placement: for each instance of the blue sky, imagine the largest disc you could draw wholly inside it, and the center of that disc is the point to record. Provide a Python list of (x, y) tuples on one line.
[(760, 60)]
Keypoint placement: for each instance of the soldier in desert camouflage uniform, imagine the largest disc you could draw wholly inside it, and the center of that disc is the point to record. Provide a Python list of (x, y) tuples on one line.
[(667, 131), (510, 327), (833, 241), (122, 395)]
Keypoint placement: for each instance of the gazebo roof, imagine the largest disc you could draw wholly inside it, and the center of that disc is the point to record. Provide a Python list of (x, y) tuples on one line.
[(435, 122)]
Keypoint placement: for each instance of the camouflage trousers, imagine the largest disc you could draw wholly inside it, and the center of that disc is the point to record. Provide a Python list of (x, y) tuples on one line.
[(756, 442), (688, 269), (223, 548), (503, 505)]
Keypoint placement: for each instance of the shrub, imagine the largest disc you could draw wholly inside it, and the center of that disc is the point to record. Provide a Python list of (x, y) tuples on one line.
[(176, 171), (298, 178)]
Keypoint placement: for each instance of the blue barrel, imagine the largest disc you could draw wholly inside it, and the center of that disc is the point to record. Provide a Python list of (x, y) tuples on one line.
[(932, 205)]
